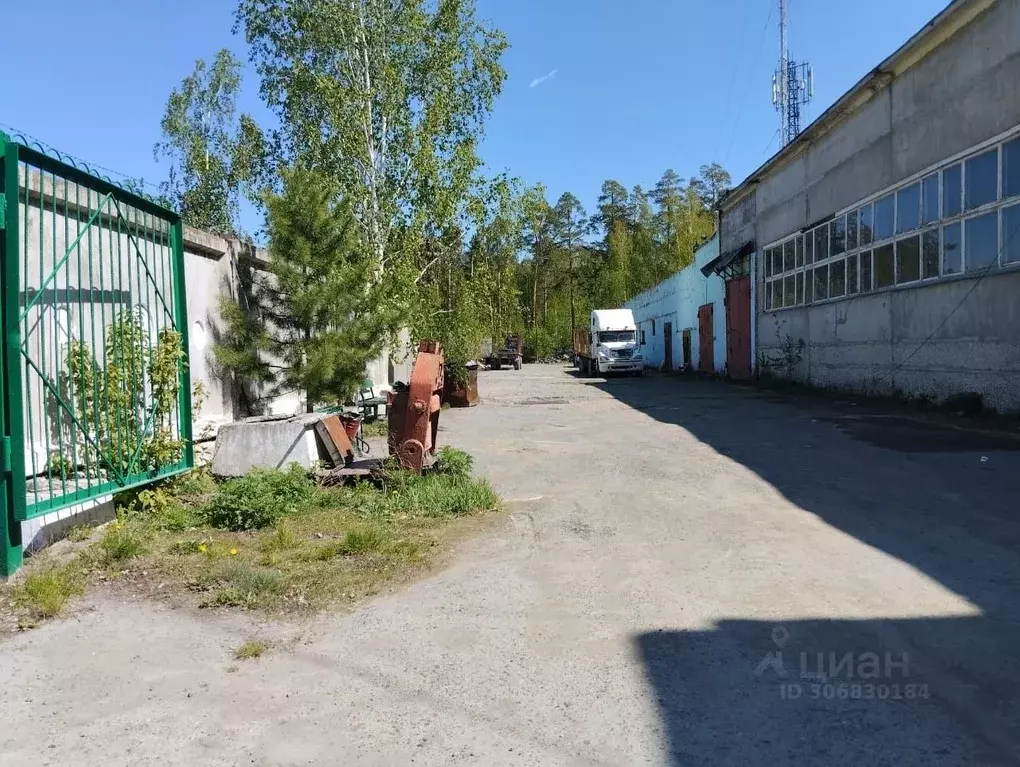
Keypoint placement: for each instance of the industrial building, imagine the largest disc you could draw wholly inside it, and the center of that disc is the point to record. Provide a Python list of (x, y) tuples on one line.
[(884, 239), (681, 321)]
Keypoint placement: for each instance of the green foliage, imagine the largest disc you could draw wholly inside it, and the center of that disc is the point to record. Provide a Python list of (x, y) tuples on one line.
[(128, 406), (454, 462), (253, 649), (318, 314), (258, 499), (211, 154), (43, 593), (119, 544)]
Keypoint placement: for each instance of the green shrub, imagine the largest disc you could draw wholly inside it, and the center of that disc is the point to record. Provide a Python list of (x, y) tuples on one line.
[(454, 462), (363, 540), (259, 499)]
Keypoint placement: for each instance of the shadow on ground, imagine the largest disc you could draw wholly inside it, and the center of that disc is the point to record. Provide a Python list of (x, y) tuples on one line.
[(942, 499)]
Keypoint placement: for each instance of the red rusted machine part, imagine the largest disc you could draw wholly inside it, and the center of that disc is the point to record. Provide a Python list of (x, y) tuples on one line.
[(414, 412)]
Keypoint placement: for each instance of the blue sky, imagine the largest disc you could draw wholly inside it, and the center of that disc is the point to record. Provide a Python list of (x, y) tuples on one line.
[(639, 85)]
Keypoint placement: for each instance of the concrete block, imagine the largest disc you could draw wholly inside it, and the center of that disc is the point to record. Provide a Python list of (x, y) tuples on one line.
[(267, 443)]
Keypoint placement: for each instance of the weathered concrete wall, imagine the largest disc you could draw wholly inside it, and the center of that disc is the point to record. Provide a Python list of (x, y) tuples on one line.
[(923, 339), (677, 300)]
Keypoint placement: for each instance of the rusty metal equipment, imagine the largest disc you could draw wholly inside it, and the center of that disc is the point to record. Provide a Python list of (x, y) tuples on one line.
[(413, 411), (462, 390)]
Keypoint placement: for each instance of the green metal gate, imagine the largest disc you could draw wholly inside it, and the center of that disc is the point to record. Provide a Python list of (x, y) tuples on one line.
[(95, 385)]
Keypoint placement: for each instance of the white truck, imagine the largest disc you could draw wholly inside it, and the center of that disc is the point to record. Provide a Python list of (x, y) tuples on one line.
[(609, 344)]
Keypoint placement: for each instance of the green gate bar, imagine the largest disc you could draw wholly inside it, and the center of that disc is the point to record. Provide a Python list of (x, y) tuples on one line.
[(96, 387)]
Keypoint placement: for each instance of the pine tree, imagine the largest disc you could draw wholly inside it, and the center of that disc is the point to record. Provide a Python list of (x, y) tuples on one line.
[(316, 317)]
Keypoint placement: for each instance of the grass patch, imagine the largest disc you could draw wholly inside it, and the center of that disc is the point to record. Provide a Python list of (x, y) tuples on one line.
[(377, 427), (45, 592), (272, 541), (253, 649), (120, 543)]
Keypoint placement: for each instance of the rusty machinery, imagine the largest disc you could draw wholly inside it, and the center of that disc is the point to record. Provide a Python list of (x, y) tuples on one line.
[(413, 411)]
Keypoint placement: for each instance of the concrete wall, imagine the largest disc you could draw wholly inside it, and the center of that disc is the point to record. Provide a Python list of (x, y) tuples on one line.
[(936, 338), (677, 300)]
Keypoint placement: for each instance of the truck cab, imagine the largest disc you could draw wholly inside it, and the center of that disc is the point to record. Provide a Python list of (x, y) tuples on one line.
[(612, 343)]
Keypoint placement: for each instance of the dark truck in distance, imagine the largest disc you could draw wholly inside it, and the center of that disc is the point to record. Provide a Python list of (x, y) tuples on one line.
[(511, 353)]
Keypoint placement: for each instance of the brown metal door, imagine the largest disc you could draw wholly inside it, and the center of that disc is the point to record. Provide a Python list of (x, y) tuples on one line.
[(667, 337), (738, 327), (706, 358)]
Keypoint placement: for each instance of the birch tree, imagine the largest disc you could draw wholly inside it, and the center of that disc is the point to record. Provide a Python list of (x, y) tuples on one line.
[(387, 99)]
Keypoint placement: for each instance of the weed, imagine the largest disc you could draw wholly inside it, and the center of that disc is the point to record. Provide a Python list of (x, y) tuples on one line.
[(364, 540), (377, 427), (249, 586), (454, 462), (259, 499), (281, 539), (443, 495), (192, 484), (45, 592), (251, 650), (118, 544)]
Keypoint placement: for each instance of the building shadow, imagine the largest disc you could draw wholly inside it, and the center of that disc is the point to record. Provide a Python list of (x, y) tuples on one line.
[(943, 499)]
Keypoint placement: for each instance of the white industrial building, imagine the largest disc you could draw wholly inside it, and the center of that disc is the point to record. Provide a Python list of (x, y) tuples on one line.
[(681, 321)]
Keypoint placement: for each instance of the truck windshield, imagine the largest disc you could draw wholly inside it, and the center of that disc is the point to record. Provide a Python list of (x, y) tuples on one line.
[(616, 335)]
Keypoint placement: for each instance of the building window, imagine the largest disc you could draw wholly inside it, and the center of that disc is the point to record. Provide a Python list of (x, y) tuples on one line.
[(885, 215), (799, 245), (837, 279), (867, 224), (908, 260), (809, 249), (908, 208), (852, 284), (837, 236), (1011, 234), (1011, 168), (885, 267), (788, 260), (822, 242), (982, 178), (851, 230), (981, 241), (821, 283), (865, 259), (800, 285), (952, 191), (952, 250), (653, 327)]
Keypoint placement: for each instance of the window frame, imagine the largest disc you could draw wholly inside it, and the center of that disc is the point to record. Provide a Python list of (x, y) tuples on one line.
[(928, 180)]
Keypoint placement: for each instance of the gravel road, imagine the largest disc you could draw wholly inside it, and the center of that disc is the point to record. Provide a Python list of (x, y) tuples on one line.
[(680, 561)]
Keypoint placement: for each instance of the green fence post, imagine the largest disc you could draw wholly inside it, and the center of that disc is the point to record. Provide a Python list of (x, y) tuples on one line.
[(181, 310), (12, 497)]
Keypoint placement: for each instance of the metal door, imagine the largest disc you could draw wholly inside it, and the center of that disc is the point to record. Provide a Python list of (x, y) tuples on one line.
[(738, 327), (667, 338), (706, 339)]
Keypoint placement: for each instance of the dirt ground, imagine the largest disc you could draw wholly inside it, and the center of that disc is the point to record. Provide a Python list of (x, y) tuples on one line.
[(681, 561)]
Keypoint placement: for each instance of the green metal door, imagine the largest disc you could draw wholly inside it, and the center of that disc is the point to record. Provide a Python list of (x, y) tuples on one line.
[(96, 390)]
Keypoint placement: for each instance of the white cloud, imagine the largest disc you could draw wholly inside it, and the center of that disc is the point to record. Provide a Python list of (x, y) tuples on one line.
[(539, 80)]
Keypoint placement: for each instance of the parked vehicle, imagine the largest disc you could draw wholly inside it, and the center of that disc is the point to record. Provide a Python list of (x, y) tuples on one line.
[(609, 344), (511, 353)]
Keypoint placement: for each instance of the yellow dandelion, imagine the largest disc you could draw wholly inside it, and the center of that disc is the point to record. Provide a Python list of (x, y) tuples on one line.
[(233, 552), (202, 547)]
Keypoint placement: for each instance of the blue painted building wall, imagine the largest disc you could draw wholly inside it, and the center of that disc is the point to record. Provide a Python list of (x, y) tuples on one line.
[(676, 300)]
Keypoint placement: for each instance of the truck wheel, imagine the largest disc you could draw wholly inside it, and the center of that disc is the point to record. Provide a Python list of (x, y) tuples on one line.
[(518, 362), (494, 365)]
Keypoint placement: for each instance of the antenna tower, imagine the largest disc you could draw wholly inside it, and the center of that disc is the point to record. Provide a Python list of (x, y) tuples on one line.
[(793, 84)]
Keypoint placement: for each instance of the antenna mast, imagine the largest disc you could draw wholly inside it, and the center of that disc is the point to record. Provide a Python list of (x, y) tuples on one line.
[(792, 84)]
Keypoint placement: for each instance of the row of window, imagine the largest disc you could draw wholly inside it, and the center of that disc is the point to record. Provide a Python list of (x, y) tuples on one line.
[(948, 222)]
